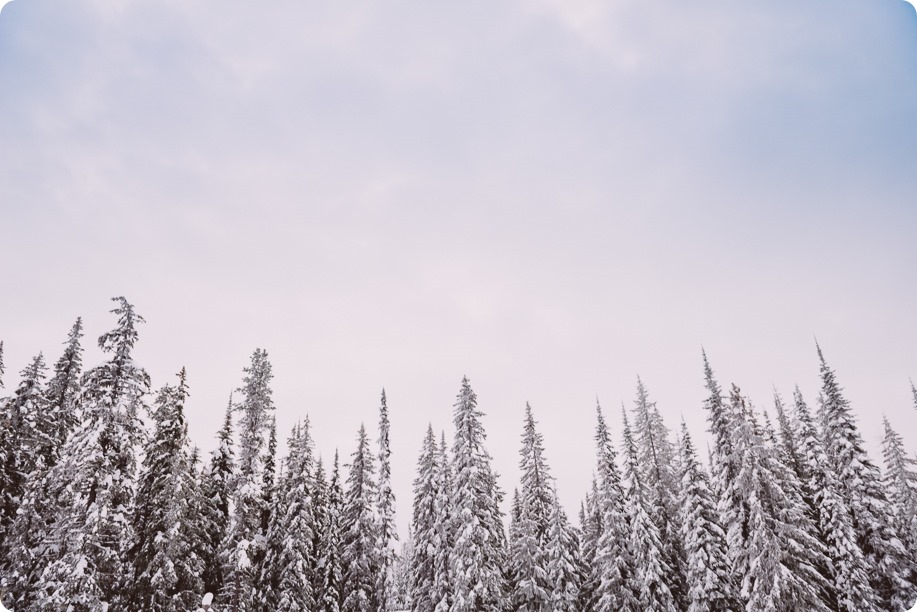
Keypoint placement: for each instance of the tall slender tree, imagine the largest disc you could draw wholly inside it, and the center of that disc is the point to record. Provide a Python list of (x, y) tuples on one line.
[(424, 526), (444, 536), (359, 552), (385, 508), (563, 568), (861, 485), (478, 553), (329, 594), (93, 483), (64, 390), (901, 484), (245, 536), (165, 567), (216, 492)]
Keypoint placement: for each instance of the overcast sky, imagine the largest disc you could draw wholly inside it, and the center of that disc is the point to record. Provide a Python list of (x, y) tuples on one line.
[(550, 197)]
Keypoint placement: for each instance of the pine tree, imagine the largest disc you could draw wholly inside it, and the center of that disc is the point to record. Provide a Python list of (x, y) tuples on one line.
[(216, 492), (531, 589), (93, 483), (23, 442), (64, 391), (424, 526), (645, 541), (245, 537), (286, 578), (328, 597), (401, 592), (478, 554), (359, 553), (657, 461), (709, 580), (901, 484), (385, 507), (563, 564), (614, 563), (591, 529), (789, 443), (166, 569), (444, 537), (860, 482), (771, 541)]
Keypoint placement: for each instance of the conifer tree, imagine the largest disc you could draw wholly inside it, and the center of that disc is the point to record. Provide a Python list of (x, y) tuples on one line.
[(424, 526), (245, 537), (860, 482), (23, 440), (771, 541), (359, 552), (531, 589), (615, 565), (913, 388), (93, 483), (788, 437), (710, 587), (165, 567), (649, 579), (591, 529), (286, 577), (444, 536), (657, 460), (329, 570), (64, 390), (478, 553), (2, 370), (216, 492), (901, 484), (385, 507), (563, 564)]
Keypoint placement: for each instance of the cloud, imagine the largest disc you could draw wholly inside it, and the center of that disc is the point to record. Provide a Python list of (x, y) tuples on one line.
[(547, 196)]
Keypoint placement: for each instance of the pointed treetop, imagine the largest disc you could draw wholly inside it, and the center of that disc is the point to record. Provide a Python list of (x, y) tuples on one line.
[(122, 339), (1, 365), (913, 389)]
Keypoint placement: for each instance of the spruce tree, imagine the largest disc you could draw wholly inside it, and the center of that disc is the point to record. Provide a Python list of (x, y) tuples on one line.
[(216, 491), (286, 577), (591, 529), (245, 536), (64, 390), (359, 551), (478, 553), (861, 485), (385, 508), (424, 526), (564, 572), (901, 484), (444, 536), (771, 541), (531, 589), (93, 483), (709, 580), (614, 562), (657, 460), (650, 577), (329, 557), (24, 438), (165, 566), (1, 364)]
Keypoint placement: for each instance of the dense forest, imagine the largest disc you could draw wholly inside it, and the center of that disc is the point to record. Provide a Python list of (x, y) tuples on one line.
[(105, 505)]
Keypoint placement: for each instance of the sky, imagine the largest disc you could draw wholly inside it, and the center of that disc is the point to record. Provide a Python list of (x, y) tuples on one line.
[(551, 197)]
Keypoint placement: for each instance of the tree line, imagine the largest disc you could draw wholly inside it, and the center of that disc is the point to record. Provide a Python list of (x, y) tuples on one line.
[(105, 505)]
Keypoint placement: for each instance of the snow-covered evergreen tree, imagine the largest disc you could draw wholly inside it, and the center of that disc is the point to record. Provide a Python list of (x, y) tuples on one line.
[(709, 580), (401, 592), (64, 390), (444, 537), (591, 529), (93, 483), (2, 370), (359, 550), (861, 486), (650, 577), (245, 537), (614, 563), (286, 577), (771, 541), (846, 570), (385, 508), (24, 440), (424, 528), (901, 485), (564, 572), (329, 572), (165, 567), (657, 459), (531, 588), (216, 491), (479, 548)]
